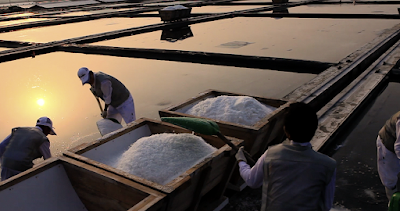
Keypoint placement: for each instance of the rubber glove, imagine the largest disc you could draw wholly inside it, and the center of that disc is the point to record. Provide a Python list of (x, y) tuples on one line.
[(240, 155)]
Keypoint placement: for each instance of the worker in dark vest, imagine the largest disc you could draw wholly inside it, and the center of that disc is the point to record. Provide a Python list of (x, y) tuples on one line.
[(117, 98), (388, 152), (23, 145), (293, 176)]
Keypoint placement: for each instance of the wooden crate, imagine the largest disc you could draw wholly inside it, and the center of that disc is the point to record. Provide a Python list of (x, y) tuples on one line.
[(65, 184), (257, 138), (206, 180), (174, 15)]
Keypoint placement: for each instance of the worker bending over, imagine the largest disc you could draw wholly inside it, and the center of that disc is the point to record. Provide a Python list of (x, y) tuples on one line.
[(117, 98), (293, 175), (23, 145)]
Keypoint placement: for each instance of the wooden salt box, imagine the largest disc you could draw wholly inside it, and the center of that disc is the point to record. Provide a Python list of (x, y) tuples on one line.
[(64, 184), (200, 187), (256, 138), (174, 15)]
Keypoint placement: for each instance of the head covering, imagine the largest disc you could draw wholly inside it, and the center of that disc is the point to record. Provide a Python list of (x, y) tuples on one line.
[(83, 74), (45, 121)]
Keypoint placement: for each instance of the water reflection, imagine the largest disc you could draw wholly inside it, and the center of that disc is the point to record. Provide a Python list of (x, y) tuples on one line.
[(71, 30), (280, 10), (347, 9), (327, 40), (21, 21), (153, 84), (175, 34)]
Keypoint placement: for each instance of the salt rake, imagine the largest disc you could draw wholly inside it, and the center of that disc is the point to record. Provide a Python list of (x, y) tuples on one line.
[(205, 127)]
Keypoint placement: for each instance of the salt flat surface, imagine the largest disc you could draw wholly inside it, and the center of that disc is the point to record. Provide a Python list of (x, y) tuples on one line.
[(161, 158), (243, 110)]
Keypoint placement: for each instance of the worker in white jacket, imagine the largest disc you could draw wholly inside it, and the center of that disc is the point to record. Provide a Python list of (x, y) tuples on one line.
[(388, 151), (117, 98), (293, 176)]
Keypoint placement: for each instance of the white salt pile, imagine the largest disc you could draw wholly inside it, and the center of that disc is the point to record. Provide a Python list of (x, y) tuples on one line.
[(161, 158), (243, 110)]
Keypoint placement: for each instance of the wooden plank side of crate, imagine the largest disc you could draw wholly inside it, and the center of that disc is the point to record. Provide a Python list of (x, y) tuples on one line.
[(181, 192), (102, 190), (257, 137), (43, 166), (106, 138), (223, 171)]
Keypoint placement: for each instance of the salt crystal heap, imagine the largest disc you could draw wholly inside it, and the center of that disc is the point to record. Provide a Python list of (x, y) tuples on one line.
[(161, 158), (243, 110)]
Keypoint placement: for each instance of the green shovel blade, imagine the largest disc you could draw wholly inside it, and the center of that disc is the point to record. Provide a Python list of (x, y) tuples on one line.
[(197, 125)]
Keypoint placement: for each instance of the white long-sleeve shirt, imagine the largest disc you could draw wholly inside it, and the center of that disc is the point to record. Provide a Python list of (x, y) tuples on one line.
[(388, 162), (254, 176), (397, 142)]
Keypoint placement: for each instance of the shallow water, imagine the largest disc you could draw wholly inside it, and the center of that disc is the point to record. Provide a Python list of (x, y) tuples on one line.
[(71, 30), (358, 186), (22, 21), (221, 9), (81, 13), (347, 9), (326, 40)]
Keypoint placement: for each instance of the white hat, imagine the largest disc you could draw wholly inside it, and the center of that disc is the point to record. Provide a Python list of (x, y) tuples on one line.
[(45, 121), (83, 74)]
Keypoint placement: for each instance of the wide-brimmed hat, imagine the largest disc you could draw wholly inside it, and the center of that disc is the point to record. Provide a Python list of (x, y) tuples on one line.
[(45, 121), (83, 74)]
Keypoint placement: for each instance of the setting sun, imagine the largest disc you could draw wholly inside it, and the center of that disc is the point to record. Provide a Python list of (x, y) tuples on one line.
[(40, 102)]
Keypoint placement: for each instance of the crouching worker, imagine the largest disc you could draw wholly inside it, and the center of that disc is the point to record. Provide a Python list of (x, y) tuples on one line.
[(293, 175), (23, 145)]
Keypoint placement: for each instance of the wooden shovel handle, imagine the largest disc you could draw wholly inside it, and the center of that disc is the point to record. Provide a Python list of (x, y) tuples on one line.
[(250, 160)]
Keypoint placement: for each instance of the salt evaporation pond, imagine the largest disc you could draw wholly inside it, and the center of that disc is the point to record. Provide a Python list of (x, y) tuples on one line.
[(243, 110), (22, 21), (327, 40), (347, 9), (72, 30), (161, 158), (82, 13)]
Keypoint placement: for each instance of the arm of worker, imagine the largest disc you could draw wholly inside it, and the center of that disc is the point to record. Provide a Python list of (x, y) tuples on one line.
[(106, 88), (330, 192), (397, 143), (44, 149), (4, 144), (252, 176)]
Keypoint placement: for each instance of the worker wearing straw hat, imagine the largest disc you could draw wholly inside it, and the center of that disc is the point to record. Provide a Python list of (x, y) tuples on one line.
[(117, 98), (23, 145), (293, 176)]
